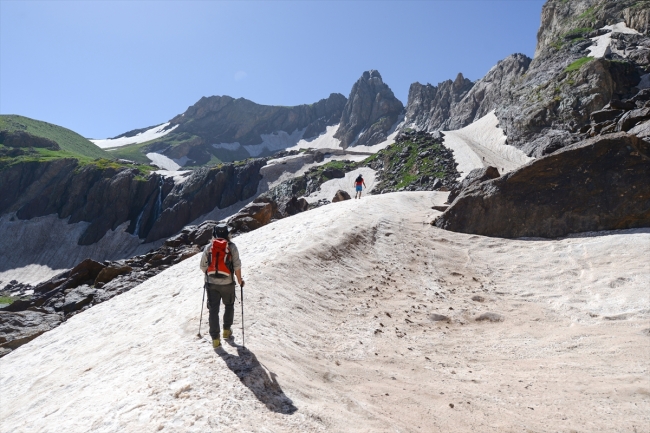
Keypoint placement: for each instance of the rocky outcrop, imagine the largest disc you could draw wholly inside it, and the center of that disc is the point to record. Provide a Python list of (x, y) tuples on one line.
[(598, 184), (107, 197), (487, 93), (560, 18), (18, 328), (204, 190), (429, 107), (25, 139), (474, 177), (370, 112), (417, 161)]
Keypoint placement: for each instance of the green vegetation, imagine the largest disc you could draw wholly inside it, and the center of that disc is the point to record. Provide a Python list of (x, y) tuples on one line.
[(578, 64), (588, 15), (577, 33), (402, 165), (71, 143), (132, 152), (8, 299)]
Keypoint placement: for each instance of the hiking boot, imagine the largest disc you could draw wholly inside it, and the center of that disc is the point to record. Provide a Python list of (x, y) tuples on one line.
[(227, 333), (216, 343)]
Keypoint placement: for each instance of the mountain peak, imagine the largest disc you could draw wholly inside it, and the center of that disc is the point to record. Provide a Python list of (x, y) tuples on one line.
[(370, 112)]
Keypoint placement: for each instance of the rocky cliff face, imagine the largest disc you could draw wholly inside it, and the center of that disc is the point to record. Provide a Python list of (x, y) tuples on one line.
[(559, 18), (107, 197), (544, 104), (370, 112), (429, 107)]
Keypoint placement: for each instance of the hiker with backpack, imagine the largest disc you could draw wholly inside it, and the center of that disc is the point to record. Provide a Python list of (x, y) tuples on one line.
[(359, 184), (221, 264)]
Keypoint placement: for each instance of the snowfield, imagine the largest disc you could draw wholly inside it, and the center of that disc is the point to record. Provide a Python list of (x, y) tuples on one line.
[(482, 144), (360, 317), (35, 250), (150, 134)]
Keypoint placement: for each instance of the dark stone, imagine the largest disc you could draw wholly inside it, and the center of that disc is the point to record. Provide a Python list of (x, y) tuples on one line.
[(333, 173), (621, 105), (110, 272), (296, 205), (341, 196), (631, 118), (18, 328), (605, 115), (474, 177), (254, 215), (438, 318), (77, 298), (598, 184)]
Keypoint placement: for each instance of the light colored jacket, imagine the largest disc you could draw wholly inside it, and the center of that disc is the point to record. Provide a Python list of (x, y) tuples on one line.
[(236, 262)]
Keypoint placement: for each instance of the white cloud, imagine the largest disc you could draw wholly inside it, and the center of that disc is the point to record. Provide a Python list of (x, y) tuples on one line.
[(240, 75)]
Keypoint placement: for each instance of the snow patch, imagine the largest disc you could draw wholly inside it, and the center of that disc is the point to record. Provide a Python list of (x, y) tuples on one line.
[(275, 141), (482, 144), (603, 43), (149, 134), (166, 162), (325, 140)]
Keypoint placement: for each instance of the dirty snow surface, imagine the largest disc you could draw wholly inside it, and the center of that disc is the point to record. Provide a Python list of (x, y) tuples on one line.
[(360, 317), (149, 134), (483, 144)]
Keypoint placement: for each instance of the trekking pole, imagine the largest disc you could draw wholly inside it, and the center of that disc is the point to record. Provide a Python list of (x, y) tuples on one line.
[(201, 319), (243, 338)]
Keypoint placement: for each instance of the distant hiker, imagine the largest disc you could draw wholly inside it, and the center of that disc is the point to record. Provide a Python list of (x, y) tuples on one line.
[(359, 184), (220, 264)]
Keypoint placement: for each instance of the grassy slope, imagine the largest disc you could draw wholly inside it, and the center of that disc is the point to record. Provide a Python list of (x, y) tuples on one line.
[(71, 143)]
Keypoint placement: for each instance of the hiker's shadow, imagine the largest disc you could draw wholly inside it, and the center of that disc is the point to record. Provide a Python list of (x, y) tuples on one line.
[(261, 381)]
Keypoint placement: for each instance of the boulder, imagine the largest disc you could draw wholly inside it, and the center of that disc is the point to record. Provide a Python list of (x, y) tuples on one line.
[(642, 130), (631, 118), (475, 176), (296, 205), (109, 272), (597, 184), (254, 215), (77, 298), (605, 115), (18, 328), (340, 196)]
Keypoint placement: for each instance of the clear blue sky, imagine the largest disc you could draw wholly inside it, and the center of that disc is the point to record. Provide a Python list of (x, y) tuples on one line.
[(102, 68)]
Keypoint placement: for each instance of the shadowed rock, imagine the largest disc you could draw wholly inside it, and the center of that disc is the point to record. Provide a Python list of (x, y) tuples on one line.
[(341, 196), (599, 184)]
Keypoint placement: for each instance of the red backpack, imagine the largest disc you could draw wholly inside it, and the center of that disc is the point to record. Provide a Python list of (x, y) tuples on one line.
[(220, 259)]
